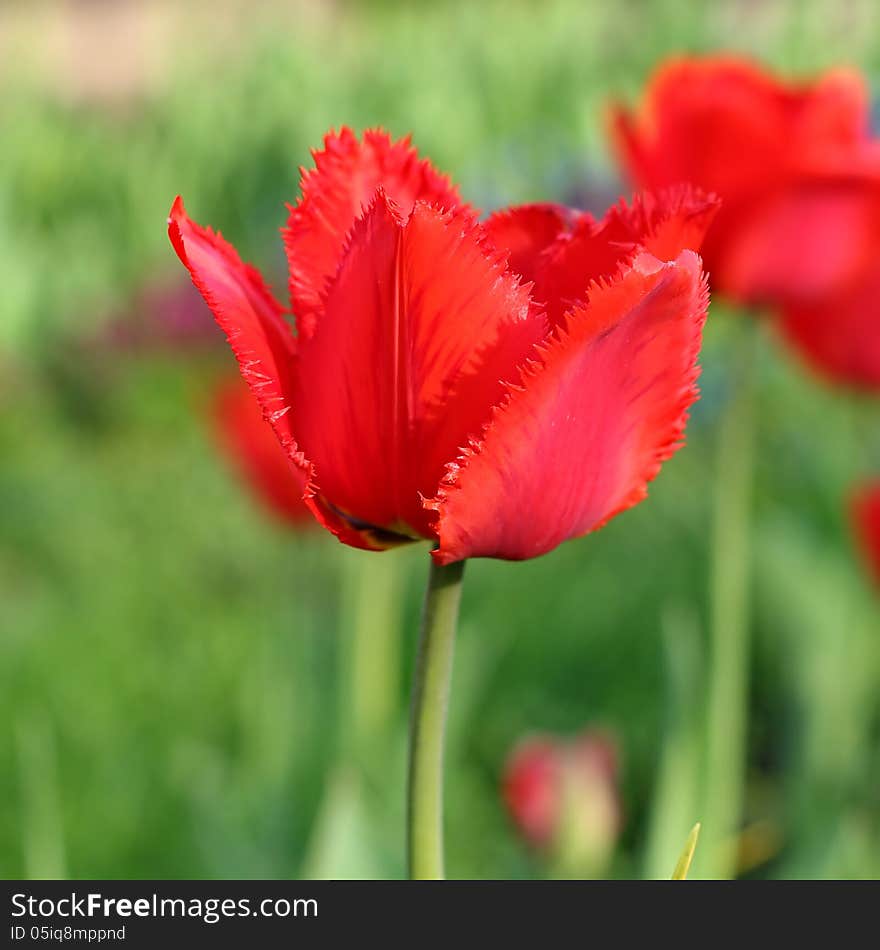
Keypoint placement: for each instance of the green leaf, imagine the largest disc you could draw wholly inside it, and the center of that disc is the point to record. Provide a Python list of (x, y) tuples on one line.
[(684, 862)]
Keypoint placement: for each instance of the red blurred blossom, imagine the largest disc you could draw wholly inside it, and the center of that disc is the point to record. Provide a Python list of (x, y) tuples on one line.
[(252, 447), (564, 793), (793, 163), (865, 512), (429, 391)]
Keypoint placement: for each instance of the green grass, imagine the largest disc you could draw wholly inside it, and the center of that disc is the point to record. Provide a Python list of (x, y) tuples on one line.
[(172, 665)]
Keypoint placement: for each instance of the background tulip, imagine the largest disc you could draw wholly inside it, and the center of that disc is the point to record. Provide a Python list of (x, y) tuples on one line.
[(796, 235), (800, 218), (252, 448), (563, 797), (800, 209)]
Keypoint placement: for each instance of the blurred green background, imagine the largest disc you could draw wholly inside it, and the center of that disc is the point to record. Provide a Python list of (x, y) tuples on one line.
[(181, 693)]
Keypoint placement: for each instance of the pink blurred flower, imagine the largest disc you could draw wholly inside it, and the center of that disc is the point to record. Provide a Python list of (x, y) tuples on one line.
[(563, 797)]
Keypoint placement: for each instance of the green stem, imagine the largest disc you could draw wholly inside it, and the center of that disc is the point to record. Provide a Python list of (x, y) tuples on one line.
[(730, 607), (430, 700), (370, 663)]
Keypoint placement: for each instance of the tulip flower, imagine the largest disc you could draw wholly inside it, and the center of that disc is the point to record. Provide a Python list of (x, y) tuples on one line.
[(563, 798), (865, 513), (799, 180), (432, 395), (493, 389), (798, 174), (249, 442)]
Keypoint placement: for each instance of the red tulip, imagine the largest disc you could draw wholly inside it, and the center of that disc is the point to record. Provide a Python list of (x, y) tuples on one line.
[(248, 440), (865, 509), (429, 392), (798, 176), (563, 796)]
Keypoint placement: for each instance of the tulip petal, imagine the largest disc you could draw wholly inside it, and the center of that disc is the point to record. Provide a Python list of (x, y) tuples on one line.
[(248, 314), (750, 126), (261, 340), (799, 242), (595, 414), (334, 194), (665, 225), (526, 231), (418, 307), (839, 336)]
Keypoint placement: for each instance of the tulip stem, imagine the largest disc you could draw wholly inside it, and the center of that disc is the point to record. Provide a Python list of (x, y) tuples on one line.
[(430, 701), (728, 687)]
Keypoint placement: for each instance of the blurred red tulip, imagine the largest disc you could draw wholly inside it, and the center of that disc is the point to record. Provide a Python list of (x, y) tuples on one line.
[(563, 797), (865, 510), (251, 445), (427, 393), (798, 176)]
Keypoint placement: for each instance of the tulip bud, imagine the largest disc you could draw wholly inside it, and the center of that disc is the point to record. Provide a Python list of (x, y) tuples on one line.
[(563, 798)]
